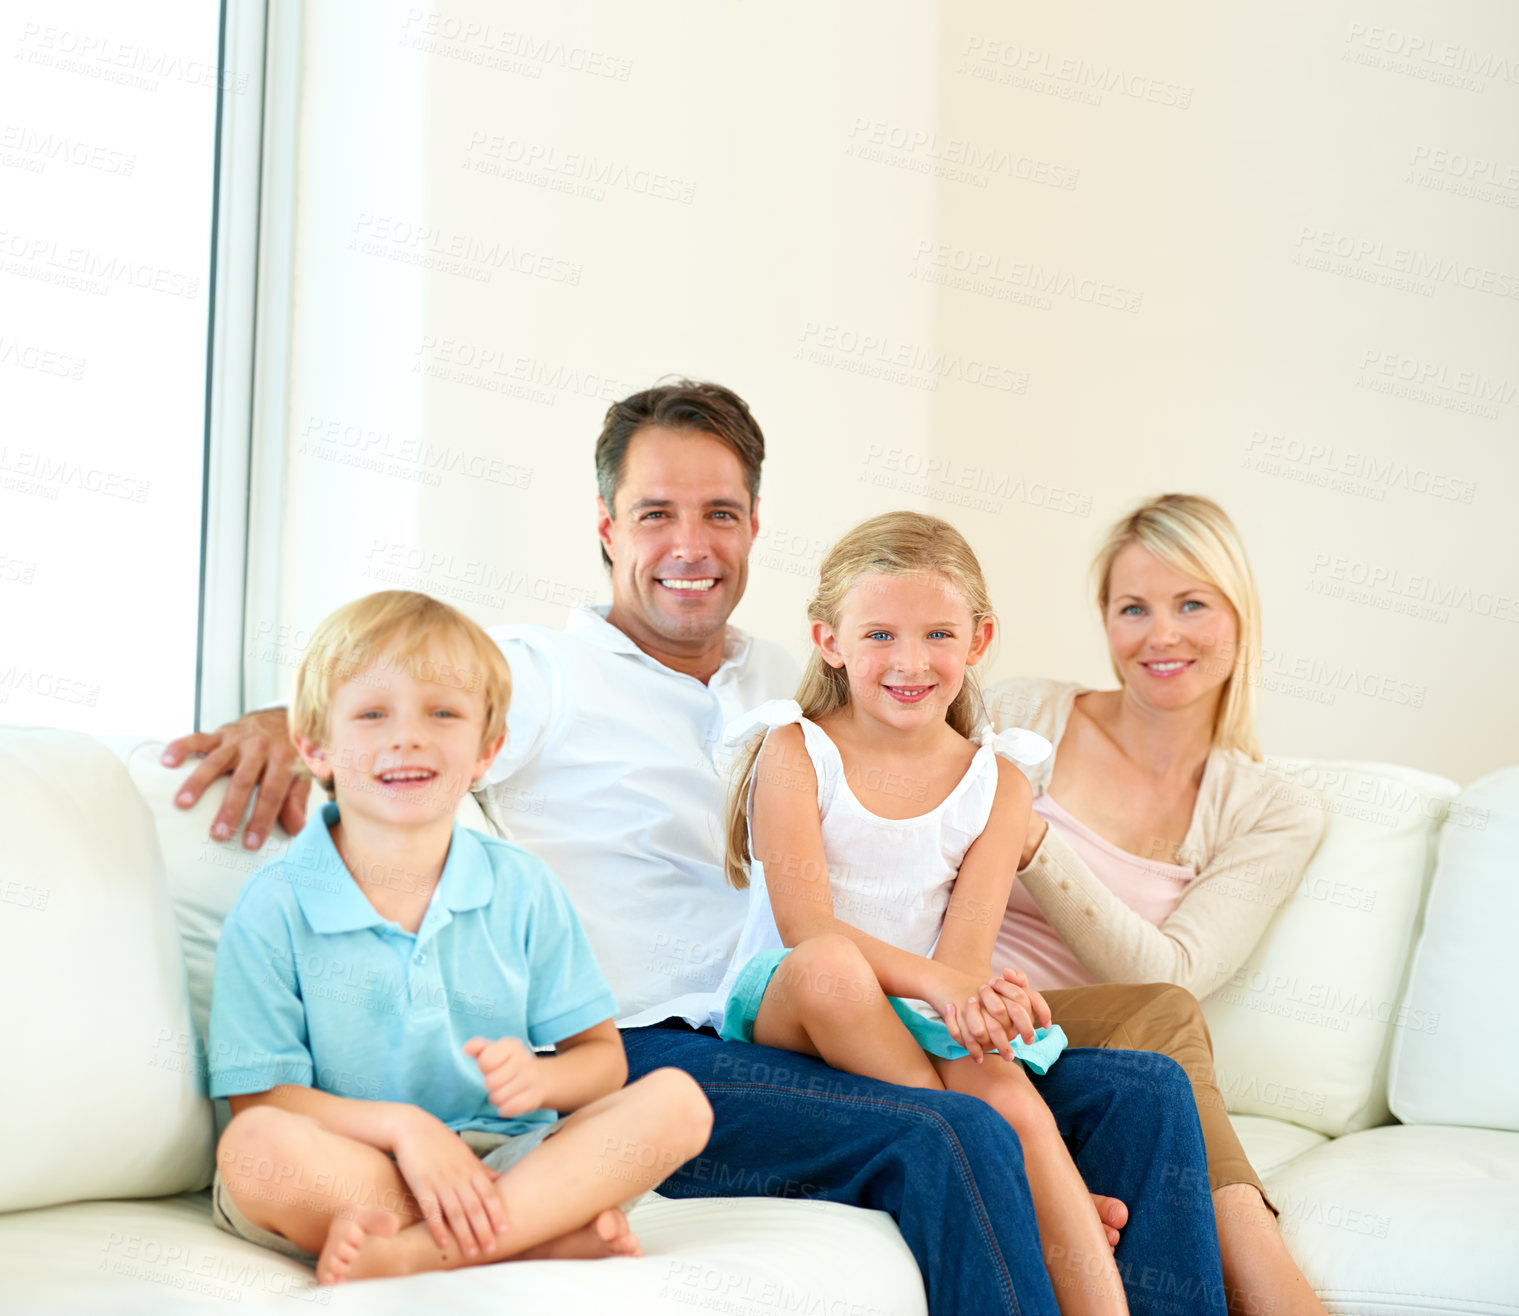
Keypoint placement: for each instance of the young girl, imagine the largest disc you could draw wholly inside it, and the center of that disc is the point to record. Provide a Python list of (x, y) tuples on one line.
[(880, 842)]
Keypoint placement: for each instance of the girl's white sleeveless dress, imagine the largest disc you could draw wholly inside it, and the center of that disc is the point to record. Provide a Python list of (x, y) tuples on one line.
[(891, 877)]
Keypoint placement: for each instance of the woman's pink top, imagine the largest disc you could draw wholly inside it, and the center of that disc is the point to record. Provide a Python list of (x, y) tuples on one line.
[(1027, 941)]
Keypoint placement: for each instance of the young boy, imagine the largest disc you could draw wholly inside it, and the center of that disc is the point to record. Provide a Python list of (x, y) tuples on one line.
[(380, 988)]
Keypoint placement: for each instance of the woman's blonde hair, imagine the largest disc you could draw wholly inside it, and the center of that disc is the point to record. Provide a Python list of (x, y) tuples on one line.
[(1194, 535), (397, 626), (893, 544)]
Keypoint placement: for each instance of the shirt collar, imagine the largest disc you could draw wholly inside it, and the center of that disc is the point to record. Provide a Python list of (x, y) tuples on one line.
[(329, 895), (590, 623)]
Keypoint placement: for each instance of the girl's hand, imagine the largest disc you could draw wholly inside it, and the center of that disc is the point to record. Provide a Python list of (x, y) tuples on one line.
[(515, 1080), (983, 1023), (1013, 987), (452, 1186)]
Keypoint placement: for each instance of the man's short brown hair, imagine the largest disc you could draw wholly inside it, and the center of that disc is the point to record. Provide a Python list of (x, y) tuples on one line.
[(684, 405)]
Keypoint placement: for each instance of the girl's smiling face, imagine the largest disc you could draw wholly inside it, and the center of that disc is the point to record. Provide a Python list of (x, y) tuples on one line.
[(904, 641)]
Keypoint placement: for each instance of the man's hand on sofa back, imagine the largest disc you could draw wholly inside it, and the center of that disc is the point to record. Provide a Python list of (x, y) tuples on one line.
[(257, 751)]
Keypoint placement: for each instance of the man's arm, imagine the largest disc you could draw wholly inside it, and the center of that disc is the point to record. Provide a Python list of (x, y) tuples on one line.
[(257, 750)]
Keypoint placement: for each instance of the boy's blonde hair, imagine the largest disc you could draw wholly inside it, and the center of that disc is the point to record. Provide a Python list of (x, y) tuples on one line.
[(397, 626), (1194, 535), (893, 544)]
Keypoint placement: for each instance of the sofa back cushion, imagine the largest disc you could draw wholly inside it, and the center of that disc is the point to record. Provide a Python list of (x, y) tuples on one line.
[(104, 1093), (1462, 1066), (1303, 1030), (205, 876)]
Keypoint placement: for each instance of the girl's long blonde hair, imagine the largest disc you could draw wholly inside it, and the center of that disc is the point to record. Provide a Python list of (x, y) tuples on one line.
[(893, 544), (1194, 535)]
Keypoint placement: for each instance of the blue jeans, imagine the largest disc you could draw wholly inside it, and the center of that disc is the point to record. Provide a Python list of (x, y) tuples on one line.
[(949, 1170)]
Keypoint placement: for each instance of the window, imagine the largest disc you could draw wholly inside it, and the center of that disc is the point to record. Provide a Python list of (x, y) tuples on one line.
[(108, 123)]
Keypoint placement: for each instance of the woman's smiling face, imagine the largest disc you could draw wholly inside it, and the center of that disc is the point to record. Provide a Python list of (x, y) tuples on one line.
[(1172, 636)]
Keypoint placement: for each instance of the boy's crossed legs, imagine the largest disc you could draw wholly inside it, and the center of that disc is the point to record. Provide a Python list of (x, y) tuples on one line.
[(630, 1140)]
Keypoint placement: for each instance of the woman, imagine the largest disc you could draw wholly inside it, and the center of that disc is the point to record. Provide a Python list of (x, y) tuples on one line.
[(1160, 846)]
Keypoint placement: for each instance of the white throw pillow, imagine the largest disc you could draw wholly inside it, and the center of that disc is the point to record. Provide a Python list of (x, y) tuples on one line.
[(103, 1094), (1464, 1068), (1302, 1030)]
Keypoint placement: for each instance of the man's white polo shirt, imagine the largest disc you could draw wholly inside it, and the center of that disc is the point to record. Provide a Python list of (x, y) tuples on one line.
[(612, 774)]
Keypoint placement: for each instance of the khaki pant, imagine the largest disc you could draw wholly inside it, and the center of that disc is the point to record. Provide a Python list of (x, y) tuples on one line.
[(1166, 1019)]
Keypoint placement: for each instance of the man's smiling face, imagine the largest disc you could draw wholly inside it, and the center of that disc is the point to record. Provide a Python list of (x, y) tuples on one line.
[(680, 537)]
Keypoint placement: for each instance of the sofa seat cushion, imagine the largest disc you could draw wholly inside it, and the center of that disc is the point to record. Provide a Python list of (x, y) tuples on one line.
[(713, 1254), (1271, 1144), (1407, 1220)]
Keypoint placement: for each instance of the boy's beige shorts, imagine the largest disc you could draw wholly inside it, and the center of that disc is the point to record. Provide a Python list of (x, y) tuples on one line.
[(497, 1150)]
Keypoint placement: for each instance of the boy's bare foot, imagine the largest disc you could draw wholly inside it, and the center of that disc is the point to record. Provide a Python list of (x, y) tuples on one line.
[(608, 1235), (345, 1255), (1113, 1214)]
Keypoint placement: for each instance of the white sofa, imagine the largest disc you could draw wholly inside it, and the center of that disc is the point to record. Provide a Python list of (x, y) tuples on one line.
[(1373, 992)]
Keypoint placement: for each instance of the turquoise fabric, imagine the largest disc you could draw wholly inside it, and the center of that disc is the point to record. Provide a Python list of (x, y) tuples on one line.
[(931, 1034)]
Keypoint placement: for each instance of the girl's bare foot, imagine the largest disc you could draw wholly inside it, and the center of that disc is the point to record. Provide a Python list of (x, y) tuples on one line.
[(1113, 1214), (608, 1235), (346, 1254)]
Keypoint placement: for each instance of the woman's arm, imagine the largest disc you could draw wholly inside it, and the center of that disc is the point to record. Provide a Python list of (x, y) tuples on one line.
[(788, 841), (1212, 930)]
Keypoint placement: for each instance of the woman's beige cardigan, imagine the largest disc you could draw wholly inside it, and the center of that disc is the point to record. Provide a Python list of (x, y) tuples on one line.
[(1251, 837)]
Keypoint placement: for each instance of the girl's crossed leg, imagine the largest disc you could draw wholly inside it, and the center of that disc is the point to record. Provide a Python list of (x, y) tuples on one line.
[(560, 1199), (824, 1000)]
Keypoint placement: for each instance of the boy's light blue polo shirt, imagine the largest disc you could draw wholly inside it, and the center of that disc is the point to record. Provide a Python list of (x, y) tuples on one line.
[(313, 987)]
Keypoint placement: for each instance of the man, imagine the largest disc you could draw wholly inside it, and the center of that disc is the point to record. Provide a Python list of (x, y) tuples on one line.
[(613, 773)]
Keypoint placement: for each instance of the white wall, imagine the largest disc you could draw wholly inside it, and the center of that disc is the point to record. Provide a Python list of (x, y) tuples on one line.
[(1019, 268)]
